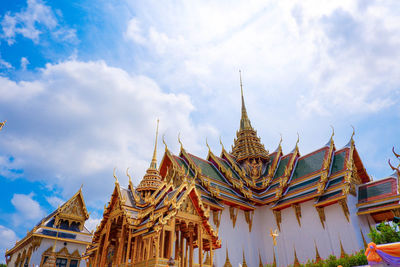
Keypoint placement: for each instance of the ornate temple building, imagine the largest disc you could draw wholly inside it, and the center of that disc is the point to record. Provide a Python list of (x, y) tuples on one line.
[(227, 210), (59, 239)]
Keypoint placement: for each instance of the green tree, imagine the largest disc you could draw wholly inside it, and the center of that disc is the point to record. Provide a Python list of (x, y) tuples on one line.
[(385, 233)]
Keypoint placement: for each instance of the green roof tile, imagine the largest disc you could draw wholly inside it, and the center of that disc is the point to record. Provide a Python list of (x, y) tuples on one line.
[(281, 167), (330, 195), (338, 161), (309, 164), (303, 184), (369, 191), (207, 169)]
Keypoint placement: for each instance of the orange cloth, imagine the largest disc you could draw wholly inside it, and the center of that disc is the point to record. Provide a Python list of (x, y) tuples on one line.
[(391, 249), (371, 253)]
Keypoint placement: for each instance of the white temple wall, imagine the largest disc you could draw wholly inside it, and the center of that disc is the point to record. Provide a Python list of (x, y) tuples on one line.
[(362, 222), (291, 236), (36, 256)]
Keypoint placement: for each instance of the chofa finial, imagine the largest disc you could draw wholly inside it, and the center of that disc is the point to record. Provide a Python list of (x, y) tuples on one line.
[(209, 149), (115, 177), (298, 139), (222, 145), (280, 141), (179, 140), (127, 174), (333, 132), (2, 124), (165, 144)]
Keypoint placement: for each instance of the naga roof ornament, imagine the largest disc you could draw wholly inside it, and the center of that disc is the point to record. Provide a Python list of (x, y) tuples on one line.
[(247, 147), (152, 179)]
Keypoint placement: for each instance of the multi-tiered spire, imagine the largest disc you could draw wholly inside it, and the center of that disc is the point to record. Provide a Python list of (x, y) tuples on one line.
[(247, 145), (151, 180)]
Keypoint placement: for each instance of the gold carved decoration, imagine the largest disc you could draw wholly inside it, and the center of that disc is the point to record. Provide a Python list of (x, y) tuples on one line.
[(2, 124), (317, 256), (253, 168), (296, 262), (217, 217), (278, 218), (244, 260), (233, 215), (396, 212), (297, 210), (396, 169), (188, 207), (227, 262), (321, 214), (345, 208), (259, 260), (363, 238), (248, 214), (342, 252)]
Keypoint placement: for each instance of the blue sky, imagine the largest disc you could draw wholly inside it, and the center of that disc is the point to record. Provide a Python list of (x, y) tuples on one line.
[(82, 83)]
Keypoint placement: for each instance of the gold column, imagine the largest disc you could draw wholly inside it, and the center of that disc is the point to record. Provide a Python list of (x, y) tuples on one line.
[(191, 231), (186, 253), (105, 244), (181, 248), (133, 252), (121, 243), (129, 246), (200, 242), (211, 252), (171, 241), (176, 242), (162, 243)]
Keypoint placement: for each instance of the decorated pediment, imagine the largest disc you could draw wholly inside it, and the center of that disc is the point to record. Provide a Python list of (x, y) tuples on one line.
[(74, 210)]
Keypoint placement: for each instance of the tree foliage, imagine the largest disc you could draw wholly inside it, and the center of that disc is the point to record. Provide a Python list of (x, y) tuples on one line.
[(385, 233)]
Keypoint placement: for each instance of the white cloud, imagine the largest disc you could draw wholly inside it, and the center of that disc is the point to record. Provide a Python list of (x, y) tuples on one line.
[(24, 63), (92, 222), (28, 211), (326, 57), (30, 22), (55, 201), (82, 119), (7, 240)]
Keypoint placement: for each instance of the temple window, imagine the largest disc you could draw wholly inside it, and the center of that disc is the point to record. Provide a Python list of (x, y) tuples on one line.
[(60, 262), (73, 263)]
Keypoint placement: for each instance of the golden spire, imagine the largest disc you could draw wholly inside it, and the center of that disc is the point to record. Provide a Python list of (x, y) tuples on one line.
[(244, 121), (152, 179), (2, 124), (227, 262), (244, 260), (153, 163), (247, 144)]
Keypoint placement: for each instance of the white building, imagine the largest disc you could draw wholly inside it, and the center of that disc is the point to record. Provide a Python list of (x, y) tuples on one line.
[(59, 239)]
